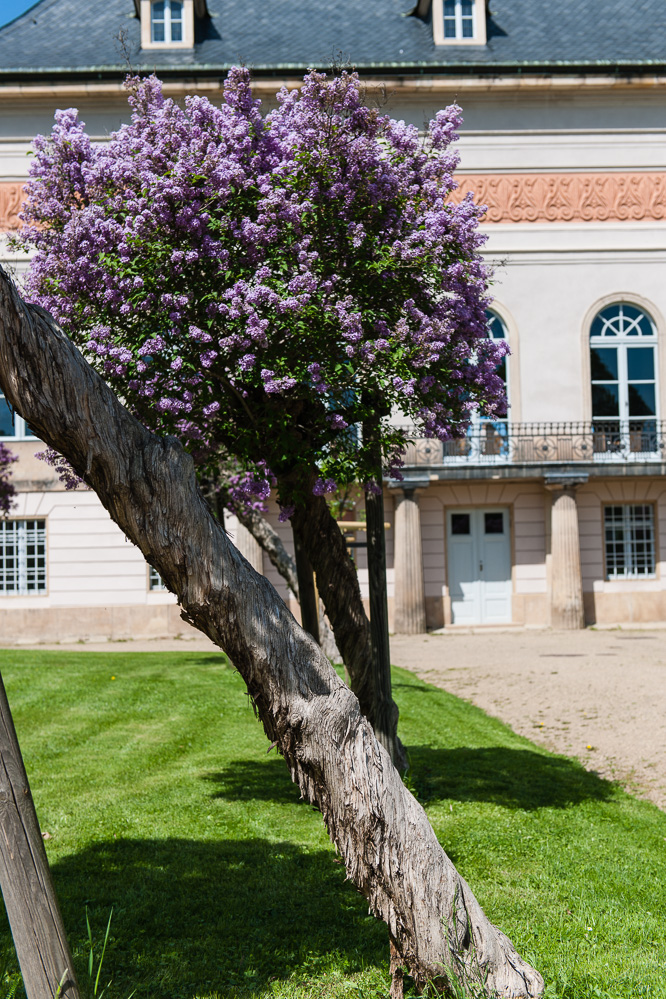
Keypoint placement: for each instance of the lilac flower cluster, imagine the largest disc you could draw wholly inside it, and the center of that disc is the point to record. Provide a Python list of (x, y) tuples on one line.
[(261, 285), (66, 473), (7, 488)]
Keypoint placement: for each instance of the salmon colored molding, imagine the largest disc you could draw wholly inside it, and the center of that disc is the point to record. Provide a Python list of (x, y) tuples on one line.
[(567, 197), (513, 197), (11, 198)]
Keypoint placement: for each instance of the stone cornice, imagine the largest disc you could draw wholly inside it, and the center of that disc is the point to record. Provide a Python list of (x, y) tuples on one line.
[(518, 197), (37, 85), (568, 197)]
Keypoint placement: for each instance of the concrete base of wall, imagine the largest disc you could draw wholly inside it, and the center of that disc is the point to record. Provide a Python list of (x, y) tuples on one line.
[(93, 624), (631, 607)]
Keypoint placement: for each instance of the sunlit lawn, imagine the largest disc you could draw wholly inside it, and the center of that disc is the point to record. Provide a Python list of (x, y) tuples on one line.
[(151, 776)]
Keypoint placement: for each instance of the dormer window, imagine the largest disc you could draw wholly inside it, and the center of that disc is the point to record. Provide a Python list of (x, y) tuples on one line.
[(459, 22), (168, 24), (166, 21)]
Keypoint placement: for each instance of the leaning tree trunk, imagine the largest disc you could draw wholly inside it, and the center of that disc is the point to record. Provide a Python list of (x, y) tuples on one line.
[(148, 486), (337, 581)]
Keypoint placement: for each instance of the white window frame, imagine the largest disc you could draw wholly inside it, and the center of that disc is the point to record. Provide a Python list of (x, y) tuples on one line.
[(487, 440), (478, 20), (633, 516), (622, 342), (155, 582), (187, 41), (25, 531), (21, 430)]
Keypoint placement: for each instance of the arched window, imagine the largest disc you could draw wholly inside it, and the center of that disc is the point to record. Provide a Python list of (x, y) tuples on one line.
[(494, 430), (166, 21), (623, 363)]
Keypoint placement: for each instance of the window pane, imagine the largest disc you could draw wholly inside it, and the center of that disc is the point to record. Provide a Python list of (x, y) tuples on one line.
[(494, 523), (155, 581), (449, 28), (605, 400), (459, 523), (496, 327), (23, 556), (466, 7), (468, 27), (642, 400), (176, 31), (640, 363), (158, 31), (449, 8), (629, 540), (6, 419), (604, 364)]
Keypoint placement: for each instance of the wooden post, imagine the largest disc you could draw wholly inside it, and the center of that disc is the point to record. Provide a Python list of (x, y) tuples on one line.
[(25, 878), (307, 594)]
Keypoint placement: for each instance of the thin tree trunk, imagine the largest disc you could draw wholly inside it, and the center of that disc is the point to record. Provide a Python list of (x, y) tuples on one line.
[(385, 721), (307, 593), (269, 539), (148, 486), (339, 589), (25, 877), (263, 532)]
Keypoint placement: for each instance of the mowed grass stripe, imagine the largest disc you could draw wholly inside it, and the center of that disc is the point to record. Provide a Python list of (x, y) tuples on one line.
[(162, 802)]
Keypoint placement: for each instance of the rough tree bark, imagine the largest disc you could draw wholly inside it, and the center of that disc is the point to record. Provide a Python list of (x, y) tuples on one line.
[(149, 488), (27, 888)]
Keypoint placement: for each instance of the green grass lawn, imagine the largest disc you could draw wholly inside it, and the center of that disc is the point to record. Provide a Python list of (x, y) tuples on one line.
[(150, 773)]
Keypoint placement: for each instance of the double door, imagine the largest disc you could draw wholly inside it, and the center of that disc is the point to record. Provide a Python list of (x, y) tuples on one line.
[(479, 565)]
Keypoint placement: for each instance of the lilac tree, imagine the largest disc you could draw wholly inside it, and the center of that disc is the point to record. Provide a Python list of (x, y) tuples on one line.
[(7, 489), (264, 286)]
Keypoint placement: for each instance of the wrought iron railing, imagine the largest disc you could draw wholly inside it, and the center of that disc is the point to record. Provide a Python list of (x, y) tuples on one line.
[(500, 442)]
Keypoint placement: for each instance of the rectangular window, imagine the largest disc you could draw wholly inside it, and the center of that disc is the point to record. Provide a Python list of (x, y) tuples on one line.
[(155, 581), (629, 541), (458, 17), (12, 426), (22, 557)]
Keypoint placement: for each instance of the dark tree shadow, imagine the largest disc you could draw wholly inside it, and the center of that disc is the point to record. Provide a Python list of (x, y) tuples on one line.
[(250, 780), (191, 918), (514, 778)]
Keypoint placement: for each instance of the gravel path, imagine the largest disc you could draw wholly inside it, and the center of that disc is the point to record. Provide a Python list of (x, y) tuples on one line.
[(596, 695)]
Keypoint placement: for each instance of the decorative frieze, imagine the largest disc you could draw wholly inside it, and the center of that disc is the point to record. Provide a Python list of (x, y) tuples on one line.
[(567, 197), (513, 197), (11, 198)]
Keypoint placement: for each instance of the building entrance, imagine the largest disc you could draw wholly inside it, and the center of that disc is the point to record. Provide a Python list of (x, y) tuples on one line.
[(479, 557)]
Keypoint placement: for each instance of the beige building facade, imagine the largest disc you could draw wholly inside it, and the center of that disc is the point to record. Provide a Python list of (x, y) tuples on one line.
[(554, 517)]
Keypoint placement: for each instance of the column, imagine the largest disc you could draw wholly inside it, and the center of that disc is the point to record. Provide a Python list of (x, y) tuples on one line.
[(249, 547), (409, 591), (566, 592)]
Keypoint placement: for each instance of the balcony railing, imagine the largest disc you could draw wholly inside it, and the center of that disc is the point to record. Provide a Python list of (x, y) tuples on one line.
[(501, 443)]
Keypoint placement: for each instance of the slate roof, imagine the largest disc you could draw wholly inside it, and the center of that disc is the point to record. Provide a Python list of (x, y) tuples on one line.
[(80, 37)]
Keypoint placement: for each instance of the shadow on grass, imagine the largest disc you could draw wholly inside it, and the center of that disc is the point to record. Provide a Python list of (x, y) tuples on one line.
[(191, 918), (514, 778), (249, 780)]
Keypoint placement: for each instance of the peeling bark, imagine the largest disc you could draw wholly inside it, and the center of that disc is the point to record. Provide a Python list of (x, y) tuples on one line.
[(149, 487)]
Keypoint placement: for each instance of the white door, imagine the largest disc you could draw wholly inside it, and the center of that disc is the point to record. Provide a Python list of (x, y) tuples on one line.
[(479, 566)]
